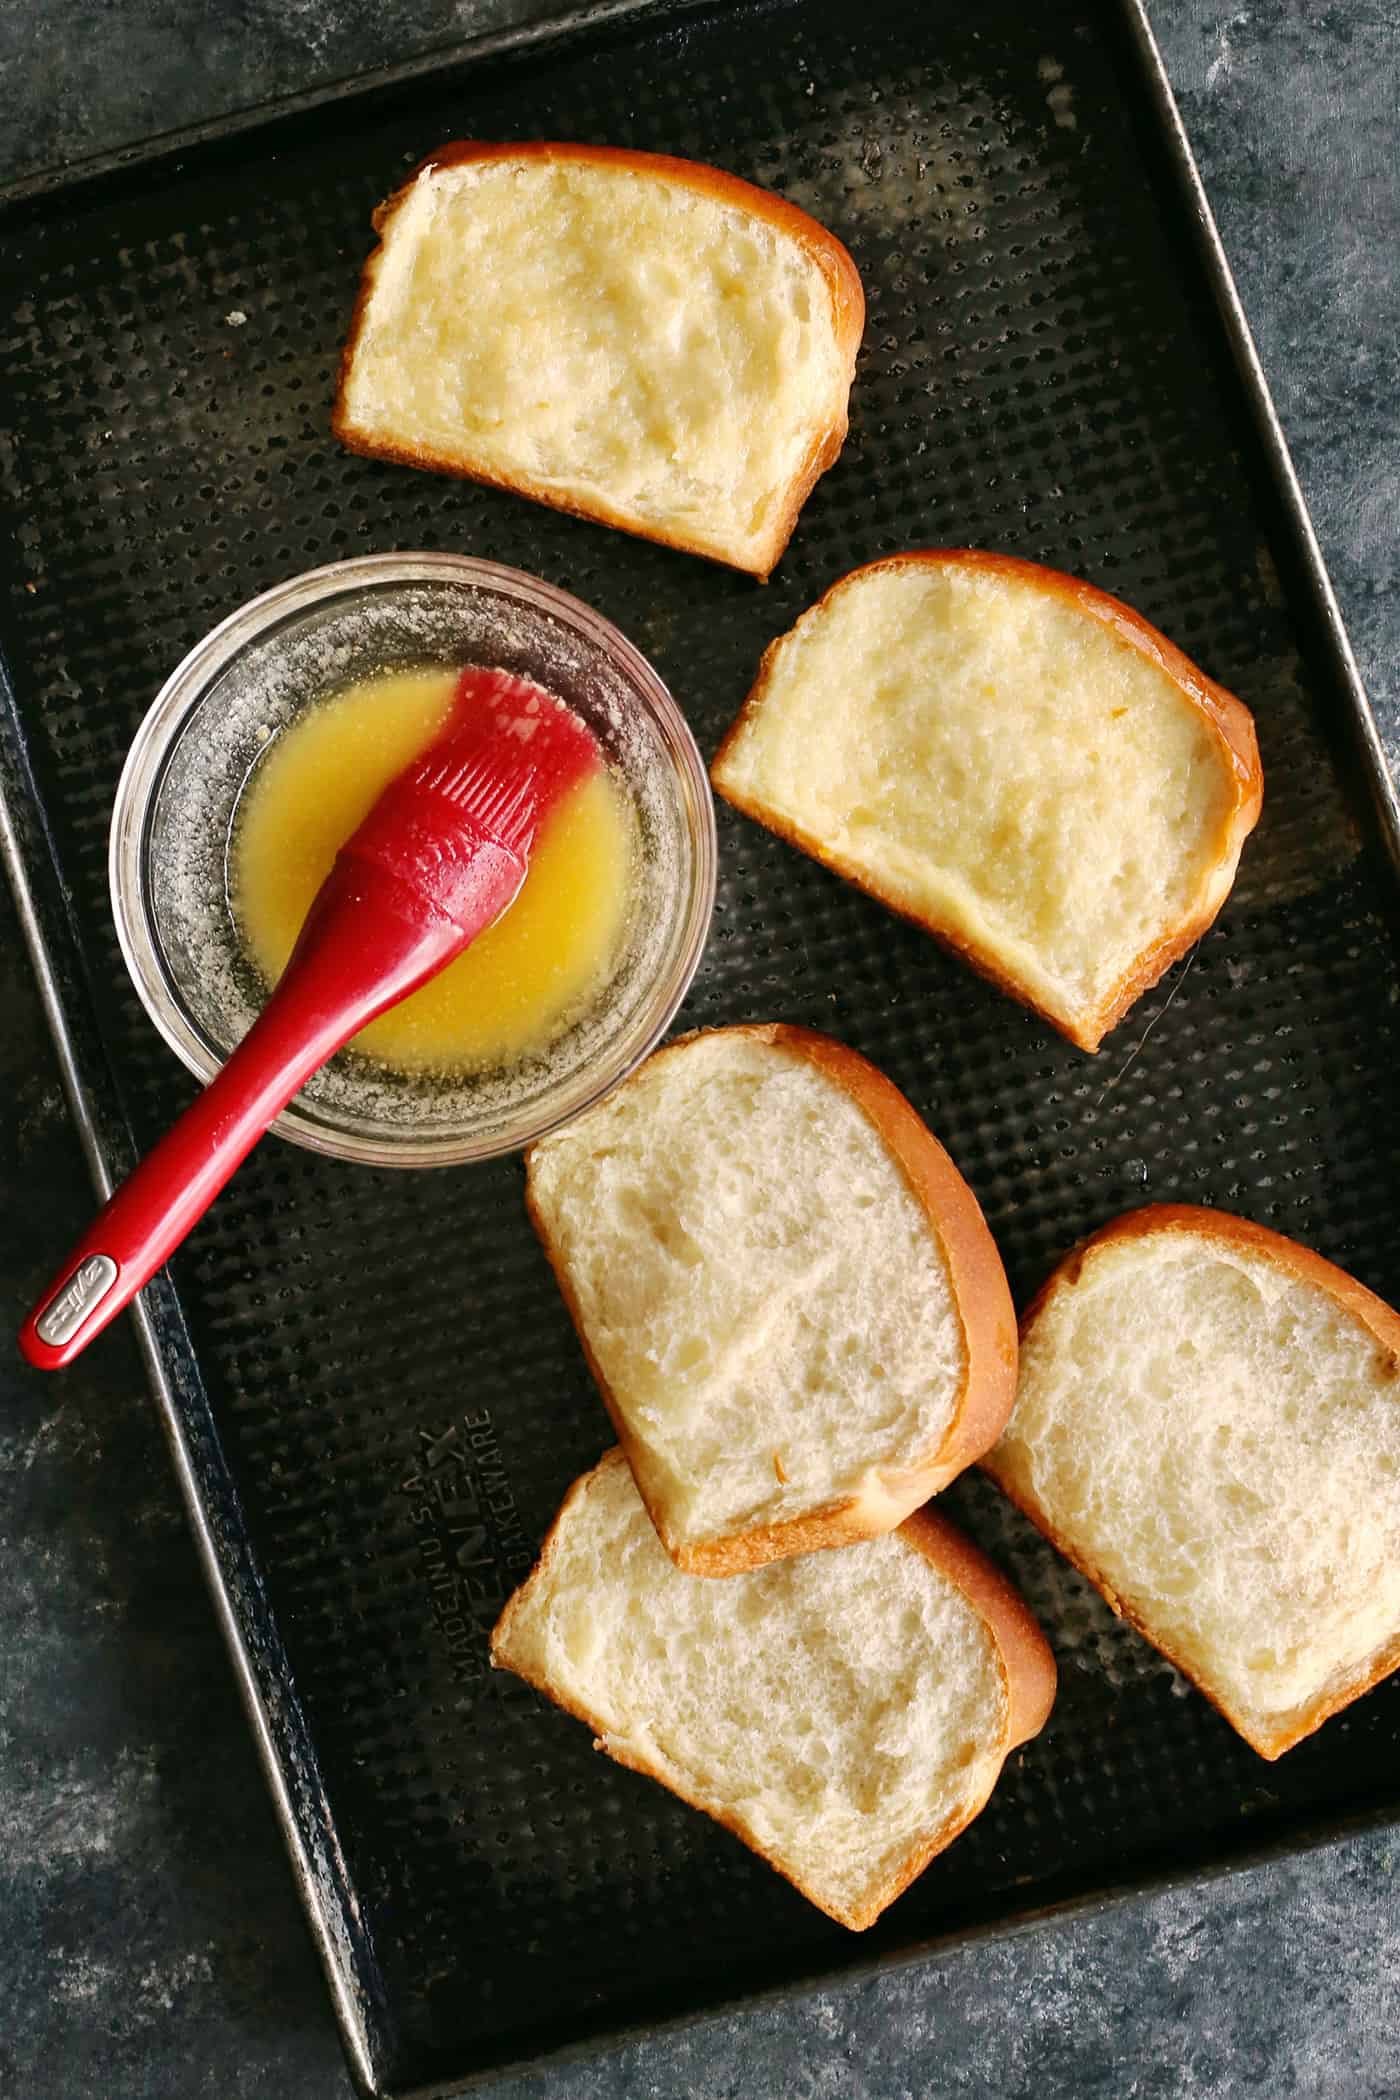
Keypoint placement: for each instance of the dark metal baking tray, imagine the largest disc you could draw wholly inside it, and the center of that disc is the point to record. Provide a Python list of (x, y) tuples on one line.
[(372, 1437)]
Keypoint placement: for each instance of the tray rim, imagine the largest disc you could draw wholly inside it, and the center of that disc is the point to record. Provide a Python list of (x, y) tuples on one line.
[(44, 184), (170, 1361), (55, 951)]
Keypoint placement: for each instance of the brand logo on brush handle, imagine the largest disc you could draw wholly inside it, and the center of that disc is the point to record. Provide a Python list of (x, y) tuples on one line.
[(65, 1313)]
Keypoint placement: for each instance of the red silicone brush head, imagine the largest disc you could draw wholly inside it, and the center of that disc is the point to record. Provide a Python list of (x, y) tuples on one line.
[(474, 800), (513, 732)]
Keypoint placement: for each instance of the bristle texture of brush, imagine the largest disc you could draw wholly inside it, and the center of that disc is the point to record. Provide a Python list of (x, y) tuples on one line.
[(507, 754), (510, 750), (506, 806)]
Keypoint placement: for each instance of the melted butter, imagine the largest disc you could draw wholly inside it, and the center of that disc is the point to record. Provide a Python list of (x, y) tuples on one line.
[(524, 980)]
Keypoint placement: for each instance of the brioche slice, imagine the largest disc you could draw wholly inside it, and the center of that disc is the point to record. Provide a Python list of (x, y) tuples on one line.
[(1208, 1426), (845, 1714), (636, 339), (1012, 759), (788, 1296)]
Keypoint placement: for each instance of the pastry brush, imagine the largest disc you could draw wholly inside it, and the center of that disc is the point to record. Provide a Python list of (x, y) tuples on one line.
[(440, 856)]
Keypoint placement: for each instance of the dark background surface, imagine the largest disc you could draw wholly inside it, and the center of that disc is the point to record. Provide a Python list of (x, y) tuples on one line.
[(150, 1943)]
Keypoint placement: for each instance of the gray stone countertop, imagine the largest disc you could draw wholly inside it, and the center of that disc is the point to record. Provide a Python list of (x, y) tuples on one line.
[(150, 1942)]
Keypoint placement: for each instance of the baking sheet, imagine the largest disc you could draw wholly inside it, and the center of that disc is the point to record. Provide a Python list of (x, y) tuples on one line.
[(373, 1445)]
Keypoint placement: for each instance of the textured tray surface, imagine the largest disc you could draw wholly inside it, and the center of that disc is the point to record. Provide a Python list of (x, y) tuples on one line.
[(395, 1380)]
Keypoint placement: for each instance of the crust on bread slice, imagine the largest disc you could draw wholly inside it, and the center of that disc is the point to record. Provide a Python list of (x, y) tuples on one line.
[(1012, 759), (1247, 1521), (918, 1689), (720, 459), (628, 1315)]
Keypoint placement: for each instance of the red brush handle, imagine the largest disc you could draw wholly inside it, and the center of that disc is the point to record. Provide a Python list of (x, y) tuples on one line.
[(366, 944)]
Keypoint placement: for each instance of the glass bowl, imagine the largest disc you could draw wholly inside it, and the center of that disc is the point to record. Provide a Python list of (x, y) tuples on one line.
[(254, 674)]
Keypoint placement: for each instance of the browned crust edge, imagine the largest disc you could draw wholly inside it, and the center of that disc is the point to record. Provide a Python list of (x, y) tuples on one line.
[(1227, 717), (1027, 1657), (1027, 1666), (1379, 1319), (981, 1293), (825, 250), (981, 1296)]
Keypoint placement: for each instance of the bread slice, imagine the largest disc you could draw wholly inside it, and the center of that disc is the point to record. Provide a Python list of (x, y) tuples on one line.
[(845, 1714), (1014, 760), (796, 1314), (636, 339), (1208, 1426)]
